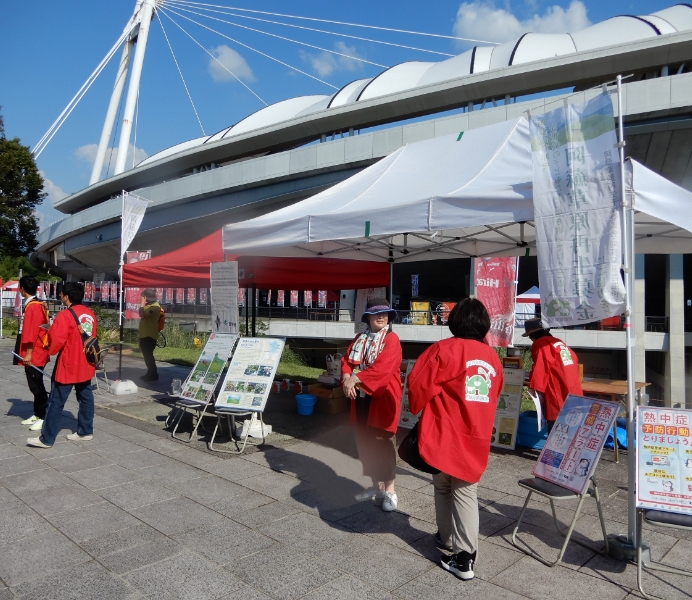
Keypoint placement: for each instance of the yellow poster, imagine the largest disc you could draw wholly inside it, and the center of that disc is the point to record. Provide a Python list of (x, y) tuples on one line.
[(420, 312)]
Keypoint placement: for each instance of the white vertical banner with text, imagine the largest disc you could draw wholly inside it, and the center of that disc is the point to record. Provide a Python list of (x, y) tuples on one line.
[(224, 297), (133, 213), (576, 197)]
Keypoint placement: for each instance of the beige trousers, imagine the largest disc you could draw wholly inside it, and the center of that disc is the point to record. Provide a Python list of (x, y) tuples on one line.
[(456, 512)]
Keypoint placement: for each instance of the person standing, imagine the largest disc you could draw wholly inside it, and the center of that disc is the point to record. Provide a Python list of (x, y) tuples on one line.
[(456, 383), (72, 370), (555, 372), (33, 348), (149, 311), (371, 379)]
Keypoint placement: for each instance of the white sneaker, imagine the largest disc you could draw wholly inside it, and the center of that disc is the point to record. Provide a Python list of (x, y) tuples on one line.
[(391, 501), (75, 437), (30, 421), (369, 494), (36, 443), (37, 426)]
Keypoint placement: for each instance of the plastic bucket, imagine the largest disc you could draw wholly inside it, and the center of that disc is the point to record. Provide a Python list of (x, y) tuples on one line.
[(306, 403)]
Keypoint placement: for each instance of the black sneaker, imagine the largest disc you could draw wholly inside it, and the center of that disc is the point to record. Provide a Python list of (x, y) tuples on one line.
[(460, 564), (438, 541)]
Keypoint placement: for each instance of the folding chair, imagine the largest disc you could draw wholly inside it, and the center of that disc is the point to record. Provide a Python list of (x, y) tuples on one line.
[(183, 405), (101, 366), (658, 518), (230, 420), (554, 493)]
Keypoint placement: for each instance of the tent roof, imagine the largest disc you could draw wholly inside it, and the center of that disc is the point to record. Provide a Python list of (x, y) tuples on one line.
[(449, 197), (530, 296), (10, 284)]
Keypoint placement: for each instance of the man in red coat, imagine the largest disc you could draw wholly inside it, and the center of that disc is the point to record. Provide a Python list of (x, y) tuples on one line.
[(71, 369), (555, 372), (33, 348)]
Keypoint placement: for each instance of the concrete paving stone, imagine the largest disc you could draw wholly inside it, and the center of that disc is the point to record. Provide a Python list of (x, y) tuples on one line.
[(123, 539), (176, 515), (183, 576), (92, 521), (377, 563), (36, 556), (5, 594), (172, 472), (89, 580), (263, 515), (136, 435), (194, 458), (77, 462), (105, 477), (534, 580), (20, 464), (487, 496), (393, 528), (244, 500), (678, 556), (325, 503), (139, 459), (165, 446), (491, 523), (266, 458), (438, 583), (207, 490), (276, 485), (62, 498), (244, 592), (224, 541), (306, 532), (283, 573), (346, 588), (59, 449), (18, 521), (235, 469), (113, 447), (8, 450), (137, 493), (141, 555), (407, 477), (29, 484)]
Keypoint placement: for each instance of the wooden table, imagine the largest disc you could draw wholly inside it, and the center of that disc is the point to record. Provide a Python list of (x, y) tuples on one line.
[(615, 390)]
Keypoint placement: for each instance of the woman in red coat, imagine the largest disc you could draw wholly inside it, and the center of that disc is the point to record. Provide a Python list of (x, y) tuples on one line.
[(371, 379), (456, 383)]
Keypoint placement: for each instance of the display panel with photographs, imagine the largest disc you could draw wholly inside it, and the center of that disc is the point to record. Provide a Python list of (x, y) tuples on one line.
[(202, 381)]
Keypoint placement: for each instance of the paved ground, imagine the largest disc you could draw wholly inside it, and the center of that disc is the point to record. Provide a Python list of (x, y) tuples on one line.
[(133, 514)]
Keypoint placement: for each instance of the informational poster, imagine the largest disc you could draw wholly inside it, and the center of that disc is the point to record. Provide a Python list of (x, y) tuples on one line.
[(280, 298), (294, 298), (250, 374), (420, 313), (190, 295), (508, 409), (574, 446), (664, 459), (495, 281), (224, 296), (307, 298), (407, 419), (362, 301), (203, 379)]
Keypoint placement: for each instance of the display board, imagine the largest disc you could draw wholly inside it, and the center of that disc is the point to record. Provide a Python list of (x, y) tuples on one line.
[(407, 419), (420, 313), (224, 296), (203, 379), (574, 446), (508, 409), (251, 373), (664, 459)]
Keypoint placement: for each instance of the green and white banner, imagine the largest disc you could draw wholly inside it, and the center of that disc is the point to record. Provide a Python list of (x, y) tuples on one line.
[(576, 195)]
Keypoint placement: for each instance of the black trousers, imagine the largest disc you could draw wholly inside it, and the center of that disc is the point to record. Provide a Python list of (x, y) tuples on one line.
[(147, 346), (36, 387)]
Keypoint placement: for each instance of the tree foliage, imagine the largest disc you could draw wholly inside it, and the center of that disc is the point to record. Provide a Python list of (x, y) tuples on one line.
[(21, 190)]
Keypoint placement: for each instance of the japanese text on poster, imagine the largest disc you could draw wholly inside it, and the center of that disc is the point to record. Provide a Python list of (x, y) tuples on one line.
[(508, 409), (203, 379), (224, 296)]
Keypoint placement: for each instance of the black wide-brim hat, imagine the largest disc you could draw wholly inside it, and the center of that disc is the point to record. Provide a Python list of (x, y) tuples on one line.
[(532, 326), (376, 306)]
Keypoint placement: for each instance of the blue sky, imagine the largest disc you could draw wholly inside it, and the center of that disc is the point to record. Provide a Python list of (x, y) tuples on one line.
[(50, 48)]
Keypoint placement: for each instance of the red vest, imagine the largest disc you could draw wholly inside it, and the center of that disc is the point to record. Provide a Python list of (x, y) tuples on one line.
[(72, 366), (34, 317), (456, 383)]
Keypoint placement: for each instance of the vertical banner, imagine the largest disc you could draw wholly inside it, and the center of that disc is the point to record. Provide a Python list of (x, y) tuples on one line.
[(495, 281), (361, 301), (89, 291), (241, 296), (224, 296), (114, 291), (159, 295), (322, 299), (414, 286), (169, 296), (203, 295), (133, 295), (576, 198), (18, 303), (133, 213), (191, 295), (180, 295), (294, 298), (307, 298), (280, 298)]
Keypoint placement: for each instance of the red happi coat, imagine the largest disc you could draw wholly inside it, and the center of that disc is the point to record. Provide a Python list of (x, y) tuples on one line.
[(456, 383), (34, 317), (382, 381), (72, 366), (555, 373)]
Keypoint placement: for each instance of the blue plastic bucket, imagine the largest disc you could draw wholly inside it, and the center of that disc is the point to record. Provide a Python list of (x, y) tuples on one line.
[(306, 403)]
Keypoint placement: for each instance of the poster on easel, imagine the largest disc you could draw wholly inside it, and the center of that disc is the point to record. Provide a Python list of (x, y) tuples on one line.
[(508, 409), (250, 374), (664, 459), (203, 379), (224, 296), (407, 419), (576, 441)]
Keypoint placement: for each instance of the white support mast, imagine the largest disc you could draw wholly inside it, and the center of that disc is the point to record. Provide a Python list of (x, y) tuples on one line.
[(145, 15)]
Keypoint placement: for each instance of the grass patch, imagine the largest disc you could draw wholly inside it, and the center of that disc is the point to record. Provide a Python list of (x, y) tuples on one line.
[(298, 372)]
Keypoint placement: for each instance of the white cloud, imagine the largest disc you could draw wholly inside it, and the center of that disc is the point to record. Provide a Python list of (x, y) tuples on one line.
[(326, 63), (45, 212), (87, 153), (233, 61), (482, 20)]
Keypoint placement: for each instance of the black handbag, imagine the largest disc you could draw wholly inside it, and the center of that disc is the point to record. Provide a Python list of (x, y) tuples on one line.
[(408, 452)]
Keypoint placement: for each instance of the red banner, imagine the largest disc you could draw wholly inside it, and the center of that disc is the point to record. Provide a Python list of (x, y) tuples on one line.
[(307, 298), (133, 295), (280, 298), (496, 286), (293, 296)]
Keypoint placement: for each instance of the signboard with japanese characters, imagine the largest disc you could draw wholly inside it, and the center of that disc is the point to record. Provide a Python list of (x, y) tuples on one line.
[(664, 459), (508, 409), (574, 446), (203, 379)]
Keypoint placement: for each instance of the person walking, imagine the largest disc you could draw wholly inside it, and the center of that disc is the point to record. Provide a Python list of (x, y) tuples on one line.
[(555, 372), (149, 311), (33, 348), (72, 370), (371, 378), (456, 383)]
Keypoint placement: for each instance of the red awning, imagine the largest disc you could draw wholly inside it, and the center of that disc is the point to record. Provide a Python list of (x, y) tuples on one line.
[(189, 267)]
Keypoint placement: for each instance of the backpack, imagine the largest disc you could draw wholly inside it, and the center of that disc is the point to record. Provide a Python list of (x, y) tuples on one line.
[(92, 350), (162, 319)]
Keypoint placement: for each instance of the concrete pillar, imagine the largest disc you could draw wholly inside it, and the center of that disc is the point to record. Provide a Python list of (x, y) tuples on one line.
[(674, 392), (639, 319)]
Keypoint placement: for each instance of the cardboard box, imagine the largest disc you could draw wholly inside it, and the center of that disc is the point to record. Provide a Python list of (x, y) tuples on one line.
[(325, 391), (330, 399)]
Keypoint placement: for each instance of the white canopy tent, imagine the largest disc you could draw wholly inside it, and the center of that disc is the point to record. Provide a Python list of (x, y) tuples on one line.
[(448, 197)]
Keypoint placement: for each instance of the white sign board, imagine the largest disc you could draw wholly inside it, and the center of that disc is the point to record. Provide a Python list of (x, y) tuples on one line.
[(574, 446), (664, 459), (508, 409), (224, 296), (251, 373), (201, 382)]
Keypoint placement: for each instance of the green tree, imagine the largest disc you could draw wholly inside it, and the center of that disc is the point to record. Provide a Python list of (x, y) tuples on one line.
[(21, 190)]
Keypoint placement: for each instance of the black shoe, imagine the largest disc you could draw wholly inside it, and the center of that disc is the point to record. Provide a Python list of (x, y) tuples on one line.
[(460, 564), (438, 541), (149, 377)]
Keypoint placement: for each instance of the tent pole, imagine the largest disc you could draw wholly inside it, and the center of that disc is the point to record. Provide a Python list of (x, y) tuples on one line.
[(254, 310), (247, 312), (391, 283)]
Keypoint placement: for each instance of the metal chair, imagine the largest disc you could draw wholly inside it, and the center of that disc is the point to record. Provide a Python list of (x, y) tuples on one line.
[(183, 405), (101, 366), (553, 493), (658, 518), (230, 420)]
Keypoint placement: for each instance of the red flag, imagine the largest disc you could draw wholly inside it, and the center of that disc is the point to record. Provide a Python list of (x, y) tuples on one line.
[(496, 286)]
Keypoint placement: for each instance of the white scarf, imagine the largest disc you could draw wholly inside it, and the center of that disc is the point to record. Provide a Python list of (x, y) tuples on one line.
[(367, 347)]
